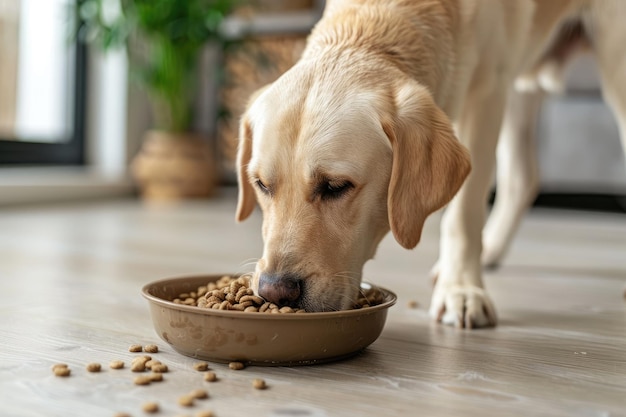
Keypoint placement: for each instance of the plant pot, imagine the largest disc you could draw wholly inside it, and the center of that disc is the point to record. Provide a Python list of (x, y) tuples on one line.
[(174, 166)]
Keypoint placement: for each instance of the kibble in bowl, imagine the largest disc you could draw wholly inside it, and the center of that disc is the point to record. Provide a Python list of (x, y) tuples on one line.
[(253, 337)]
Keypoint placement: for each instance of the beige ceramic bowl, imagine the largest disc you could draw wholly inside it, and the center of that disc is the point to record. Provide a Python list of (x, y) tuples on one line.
[(257, 338)]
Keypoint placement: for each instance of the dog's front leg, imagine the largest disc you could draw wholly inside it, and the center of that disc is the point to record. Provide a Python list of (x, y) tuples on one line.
[(459, 296)]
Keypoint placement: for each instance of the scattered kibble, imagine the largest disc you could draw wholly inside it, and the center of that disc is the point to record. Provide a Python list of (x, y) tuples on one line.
[(116, 364), (210, 377), (199, 394), (150, 407), (61, 370), (94, 367), (259, 383), (236, 366), (205, 413), (156, 377), (412, 304), (143, 380), (151, 348), (122, 415), (135, 348), (138, 366), (201, 366), (159, 368), (152, 362), (185, 400)]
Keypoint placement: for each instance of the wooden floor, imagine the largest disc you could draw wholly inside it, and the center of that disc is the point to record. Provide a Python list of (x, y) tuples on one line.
[(70, 277)]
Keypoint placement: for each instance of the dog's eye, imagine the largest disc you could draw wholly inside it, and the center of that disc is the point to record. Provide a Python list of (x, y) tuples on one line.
[(262, 187), (332, 190)]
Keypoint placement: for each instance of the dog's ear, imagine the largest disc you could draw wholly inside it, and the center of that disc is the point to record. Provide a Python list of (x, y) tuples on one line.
[(247, 199), (429, 163)]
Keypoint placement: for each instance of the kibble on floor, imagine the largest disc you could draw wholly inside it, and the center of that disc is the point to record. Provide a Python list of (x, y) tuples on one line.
[(143, 380), (150, 407), (199, 394), (201, 366), (210, 377), (151, 348), (237, 366), (94, 367), (259, 383), (185, 400), (62, 371), (159, 368)]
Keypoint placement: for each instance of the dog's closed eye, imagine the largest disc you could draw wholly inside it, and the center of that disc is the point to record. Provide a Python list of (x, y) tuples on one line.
[(333, 189), (262, 187)]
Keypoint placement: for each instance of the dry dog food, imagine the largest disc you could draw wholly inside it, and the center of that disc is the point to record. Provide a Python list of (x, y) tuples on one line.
[(138, 367), (94, 367), (151, 348), (199, 394), (259, 383), (205, 413), (139, 363), (143, 380), (229, 293), (61, 369), (135, 348), (116, 364), (150, 407), (151, 363), (159, 368), (201, 366), (185, 400), (236, 366), (156, 377), (210, 377)]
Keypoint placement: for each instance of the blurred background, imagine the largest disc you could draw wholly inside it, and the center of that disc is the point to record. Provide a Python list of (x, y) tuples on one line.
[(102, 98)]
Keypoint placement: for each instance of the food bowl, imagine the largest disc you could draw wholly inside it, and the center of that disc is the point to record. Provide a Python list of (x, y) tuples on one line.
[(258, 338)]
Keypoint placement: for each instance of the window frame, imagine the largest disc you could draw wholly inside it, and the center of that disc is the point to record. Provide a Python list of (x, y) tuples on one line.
[(71, 152)]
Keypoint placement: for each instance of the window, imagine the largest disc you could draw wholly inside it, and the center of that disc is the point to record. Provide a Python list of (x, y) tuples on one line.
[(42, 84)]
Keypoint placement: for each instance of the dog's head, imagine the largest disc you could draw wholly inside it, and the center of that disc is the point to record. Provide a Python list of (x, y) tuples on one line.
[(334, 167)]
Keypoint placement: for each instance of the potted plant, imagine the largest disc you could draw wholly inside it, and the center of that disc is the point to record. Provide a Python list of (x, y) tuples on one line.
[(163, 39)]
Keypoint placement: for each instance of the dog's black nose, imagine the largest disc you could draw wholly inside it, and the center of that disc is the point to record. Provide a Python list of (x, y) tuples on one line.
[(282, 290)]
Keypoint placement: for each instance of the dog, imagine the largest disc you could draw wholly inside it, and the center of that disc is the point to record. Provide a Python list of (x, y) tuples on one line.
[(394, 111)]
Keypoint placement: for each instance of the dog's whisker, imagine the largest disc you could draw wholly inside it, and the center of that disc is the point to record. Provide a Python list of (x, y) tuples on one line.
[(248, 262), (243, 267)]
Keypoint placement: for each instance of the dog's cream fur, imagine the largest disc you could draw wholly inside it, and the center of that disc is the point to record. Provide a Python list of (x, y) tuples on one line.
[(357, 138)]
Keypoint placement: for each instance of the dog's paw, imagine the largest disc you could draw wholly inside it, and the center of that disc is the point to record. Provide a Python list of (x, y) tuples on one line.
[(465, 306)]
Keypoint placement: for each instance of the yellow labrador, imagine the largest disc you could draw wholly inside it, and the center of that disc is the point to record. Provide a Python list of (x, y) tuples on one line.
[(357, 139)]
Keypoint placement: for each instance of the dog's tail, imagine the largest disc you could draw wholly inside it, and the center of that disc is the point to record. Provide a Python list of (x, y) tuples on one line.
[(548, 72)]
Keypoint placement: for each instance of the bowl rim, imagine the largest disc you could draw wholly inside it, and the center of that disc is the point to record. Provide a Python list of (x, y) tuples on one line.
[(390, 299)]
